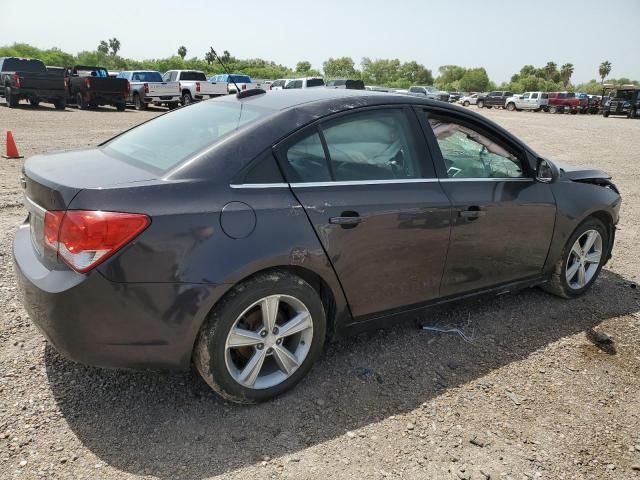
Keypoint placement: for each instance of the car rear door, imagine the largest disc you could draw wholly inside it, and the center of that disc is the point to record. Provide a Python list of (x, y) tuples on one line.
[(368, 187), (503, 219)]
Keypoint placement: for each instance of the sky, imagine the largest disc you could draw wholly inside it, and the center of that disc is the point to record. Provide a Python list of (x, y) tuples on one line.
[(499, 35)]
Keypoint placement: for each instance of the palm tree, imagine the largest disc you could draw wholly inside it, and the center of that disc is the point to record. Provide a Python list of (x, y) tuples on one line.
[(604, 70), (114, 44), (182, 51), (565, 73), (549, 69)]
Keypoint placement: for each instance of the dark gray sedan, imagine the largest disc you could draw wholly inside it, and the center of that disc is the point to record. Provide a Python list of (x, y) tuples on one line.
[(239, 233)]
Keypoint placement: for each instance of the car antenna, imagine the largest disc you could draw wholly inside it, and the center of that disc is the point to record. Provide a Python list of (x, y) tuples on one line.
[(225, 68)]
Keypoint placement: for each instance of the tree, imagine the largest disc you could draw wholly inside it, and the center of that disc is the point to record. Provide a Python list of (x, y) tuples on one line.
[(565, 73), (550, 70), (114, 44), (450, 76), (103, 47), (303, 66), (475, 80), (182, 52), (209, 57), (604, 70), (340, 67), (415, 73)]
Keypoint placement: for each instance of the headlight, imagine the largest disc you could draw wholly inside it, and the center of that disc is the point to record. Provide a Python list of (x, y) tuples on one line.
[(626, 105), (607, 103)]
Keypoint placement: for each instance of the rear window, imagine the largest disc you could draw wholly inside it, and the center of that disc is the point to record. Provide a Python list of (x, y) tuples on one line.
[(22, 65), (164, 142), (146, 77), (315, 82), (240, 78), (193, 76)]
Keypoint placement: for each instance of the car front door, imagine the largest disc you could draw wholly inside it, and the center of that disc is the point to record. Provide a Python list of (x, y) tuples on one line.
[(368, 187), (503, 218), (525, 101)]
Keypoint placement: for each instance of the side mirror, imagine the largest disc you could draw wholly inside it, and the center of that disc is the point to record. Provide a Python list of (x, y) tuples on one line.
[(546, 172)]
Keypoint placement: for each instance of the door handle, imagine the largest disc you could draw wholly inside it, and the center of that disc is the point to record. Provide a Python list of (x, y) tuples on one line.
[(348, 219), (472, 213)]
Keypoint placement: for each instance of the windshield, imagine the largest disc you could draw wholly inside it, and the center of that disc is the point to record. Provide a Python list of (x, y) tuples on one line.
[(169, 139), (146, 77)]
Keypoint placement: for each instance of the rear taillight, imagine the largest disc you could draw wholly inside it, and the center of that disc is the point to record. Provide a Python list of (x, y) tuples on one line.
[(244, 87), (197, 86), (16, 80), (83, 239), (146, 89), (129, 87), (87, 82)]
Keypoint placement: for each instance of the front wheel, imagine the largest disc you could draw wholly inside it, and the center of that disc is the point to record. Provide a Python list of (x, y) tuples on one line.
[(511, 107), (60, 104), (262, 338), (139, 104), (466, 103), (631, 113), (582, 259), (605, 114), (82, 105), (34, 103), (121, 106)]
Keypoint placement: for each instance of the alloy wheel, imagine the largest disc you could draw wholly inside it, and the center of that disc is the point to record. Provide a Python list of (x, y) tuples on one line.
[(584, 259), (268, 341)]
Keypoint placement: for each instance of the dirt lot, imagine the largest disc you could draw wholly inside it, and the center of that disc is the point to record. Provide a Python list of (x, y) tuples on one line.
[(530, 397)]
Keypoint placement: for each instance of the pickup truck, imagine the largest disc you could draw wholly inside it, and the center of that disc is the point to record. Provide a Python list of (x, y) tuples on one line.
[(194, 85), (560, 102), (429, 92), (92, 87), (622, 101), (23, 78), (147, 88), (496, 99), (535, 101), (244, 82)]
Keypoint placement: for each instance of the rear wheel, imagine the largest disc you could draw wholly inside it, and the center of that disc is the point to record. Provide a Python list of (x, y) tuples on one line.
[(82, 105), (186, 98), (480, 104), (466, 103), (262, 338), (60, 104), (582, 259), (605, 114), (511, 106), (12, 101), (553, 109), (172, 105), (34, 102), (121, 106), (631, 113), (139, 104)]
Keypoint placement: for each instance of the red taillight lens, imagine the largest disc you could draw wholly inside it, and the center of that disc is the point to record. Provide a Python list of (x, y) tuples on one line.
[(146, 88), (197, 86), (83, 239), (16, 80), (87, 82), (244, 87)]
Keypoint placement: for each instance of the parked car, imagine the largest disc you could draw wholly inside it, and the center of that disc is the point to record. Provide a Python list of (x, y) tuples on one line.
[(29, 79), (535, 101), (237, 81), (471, 99), (279, 84), (622, 101), (307, 82), (194, 85), (594, 104), (455, 96), (375, 88), (429, 92), (561, 102), (496, 99), (177, 240), (92, 87), (147, 87), (343, 83)]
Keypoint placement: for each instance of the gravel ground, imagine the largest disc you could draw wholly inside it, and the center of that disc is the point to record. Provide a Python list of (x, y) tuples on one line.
[(528, 396)]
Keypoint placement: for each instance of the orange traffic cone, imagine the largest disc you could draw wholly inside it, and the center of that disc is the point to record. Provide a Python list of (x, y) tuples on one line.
[(12, 149)]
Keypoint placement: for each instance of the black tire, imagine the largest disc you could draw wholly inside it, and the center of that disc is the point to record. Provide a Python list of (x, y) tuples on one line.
[(605, 114), (187, 98), (34, 103), (172, 105), (553, 109), (480, 104), (631, 113), (60, 104), (82, 105), (121, 106), (209, 351), (466, 103), (12, 101), (557, 283), (489, 107), (511, 106), (139, 104)]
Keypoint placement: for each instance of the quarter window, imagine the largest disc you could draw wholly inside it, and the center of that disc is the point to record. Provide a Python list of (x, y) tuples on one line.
[(468, 153), (306, 160)]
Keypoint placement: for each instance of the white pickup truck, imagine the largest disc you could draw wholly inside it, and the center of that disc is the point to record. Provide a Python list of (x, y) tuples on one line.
[(147, 88), (527, 101), (243, 82), (194, 85)]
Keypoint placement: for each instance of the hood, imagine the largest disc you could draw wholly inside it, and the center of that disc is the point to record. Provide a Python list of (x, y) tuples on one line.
[(578, 173)]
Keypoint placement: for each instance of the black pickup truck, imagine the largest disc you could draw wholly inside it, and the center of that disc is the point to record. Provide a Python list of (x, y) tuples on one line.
[(493, 99), (92, 87), (29, 79)]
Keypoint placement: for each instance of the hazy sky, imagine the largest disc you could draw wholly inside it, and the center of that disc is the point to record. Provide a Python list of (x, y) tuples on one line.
[(499, 35)]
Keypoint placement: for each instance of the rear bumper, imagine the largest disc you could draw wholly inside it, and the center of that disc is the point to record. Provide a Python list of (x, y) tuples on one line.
[(40, 94), (94, 321), (163, 99), (105, 98)]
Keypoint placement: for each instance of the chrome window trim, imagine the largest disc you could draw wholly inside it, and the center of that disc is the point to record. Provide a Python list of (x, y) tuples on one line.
[(376, 182), (493, 179), (259, 185)]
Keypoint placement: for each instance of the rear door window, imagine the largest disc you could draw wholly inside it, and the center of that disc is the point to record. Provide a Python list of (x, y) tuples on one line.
[(315, 82)]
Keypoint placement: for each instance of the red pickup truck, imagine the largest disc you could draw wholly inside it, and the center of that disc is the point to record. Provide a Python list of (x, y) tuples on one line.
[(566, 102)]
